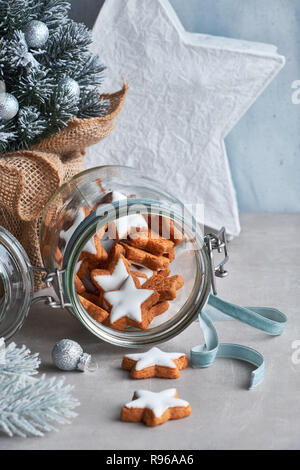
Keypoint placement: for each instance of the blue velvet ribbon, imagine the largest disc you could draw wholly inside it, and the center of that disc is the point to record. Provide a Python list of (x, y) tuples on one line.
[(269, 320)]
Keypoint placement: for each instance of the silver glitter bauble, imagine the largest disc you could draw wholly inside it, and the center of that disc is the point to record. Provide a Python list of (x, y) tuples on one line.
[(69, 355), (36, 33), (71, 85), (9, 106)]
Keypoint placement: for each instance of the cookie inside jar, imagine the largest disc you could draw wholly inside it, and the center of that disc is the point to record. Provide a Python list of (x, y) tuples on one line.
[(134, 273)]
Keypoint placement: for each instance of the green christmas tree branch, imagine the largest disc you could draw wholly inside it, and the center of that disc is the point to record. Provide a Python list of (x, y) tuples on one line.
[(36, 76)]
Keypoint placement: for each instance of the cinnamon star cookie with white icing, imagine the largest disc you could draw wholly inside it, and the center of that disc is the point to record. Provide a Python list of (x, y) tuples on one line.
[(130, 306), (155, 363), (155, 408)]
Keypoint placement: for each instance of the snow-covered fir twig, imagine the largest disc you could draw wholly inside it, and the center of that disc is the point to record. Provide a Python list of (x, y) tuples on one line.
[(18, 361), (30, 406), (36, 76)]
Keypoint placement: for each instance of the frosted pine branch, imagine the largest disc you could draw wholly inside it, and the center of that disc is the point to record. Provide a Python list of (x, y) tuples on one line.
[(91, 104), (5, 138), (34, 76), (53, 12), (30, 406), (32, 409), (18, 361)]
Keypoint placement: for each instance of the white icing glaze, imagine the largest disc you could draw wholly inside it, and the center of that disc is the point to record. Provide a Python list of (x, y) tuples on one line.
[(115, 280), (154, 357), (158, 402), (67, 234), (124, 224), (127, 301)]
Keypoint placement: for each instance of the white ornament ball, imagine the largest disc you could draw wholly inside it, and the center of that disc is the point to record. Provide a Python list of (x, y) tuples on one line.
[(69, 355), (71, 85), (9, 106), (36, 33)]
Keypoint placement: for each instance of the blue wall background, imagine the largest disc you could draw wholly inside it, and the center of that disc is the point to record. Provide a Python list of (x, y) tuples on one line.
[(264, 148)]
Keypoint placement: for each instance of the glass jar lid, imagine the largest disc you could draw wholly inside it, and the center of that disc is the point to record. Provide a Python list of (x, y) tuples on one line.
[(16, 284)]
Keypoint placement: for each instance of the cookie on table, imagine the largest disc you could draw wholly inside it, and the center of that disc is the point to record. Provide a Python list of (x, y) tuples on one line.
[(165, 286), (155, 363), (154, 408), (130, 306)]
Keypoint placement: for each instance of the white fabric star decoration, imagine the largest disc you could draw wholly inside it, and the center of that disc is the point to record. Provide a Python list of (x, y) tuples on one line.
[(158, 402), (186, 92), (154, 357), (127, 301)]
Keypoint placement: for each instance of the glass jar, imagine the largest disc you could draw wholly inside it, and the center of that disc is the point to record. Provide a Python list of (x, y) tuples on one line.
[(80, 209)]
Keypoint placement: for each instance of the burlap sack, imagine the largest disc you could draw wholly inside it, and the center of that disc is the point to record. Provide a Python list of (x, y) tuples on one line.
[(29, 178)]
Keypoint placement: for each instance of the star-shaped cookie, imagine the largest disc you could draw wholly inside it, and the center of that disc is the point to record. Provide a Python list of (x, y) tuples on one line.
[(165, 286), (111, 281), (155, 363), (155, 408), (130, 306), (116, 273)]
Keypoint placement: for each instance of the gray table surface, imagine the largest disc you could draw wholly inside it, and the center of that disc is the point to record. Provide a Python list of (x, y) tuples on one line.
[(264, 270)]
